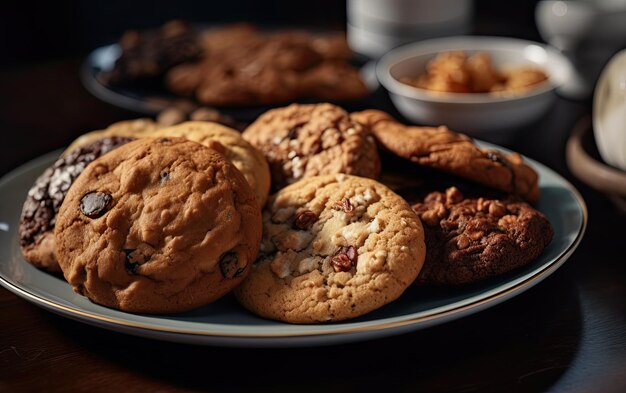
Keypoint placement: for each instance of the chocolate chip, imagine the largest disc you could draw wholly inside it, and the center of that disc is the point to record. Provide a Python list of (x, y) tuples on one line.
[(304, 220), (165, 176), (292, 134), (343, 259), (229, 266), (129, 261), (94, 204)]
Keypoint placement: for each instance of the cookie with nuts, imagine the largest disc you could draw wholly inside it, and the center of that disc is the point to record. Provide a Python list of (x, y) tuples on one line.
[(300, 141), (229, 142), (334, 247), (39, 213), (449, 151), (160, 225), (471, 239)]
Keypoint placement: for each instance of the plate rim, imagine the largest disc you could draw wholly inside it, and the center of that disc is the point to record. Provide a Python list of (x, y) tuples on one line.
[(476, 302)]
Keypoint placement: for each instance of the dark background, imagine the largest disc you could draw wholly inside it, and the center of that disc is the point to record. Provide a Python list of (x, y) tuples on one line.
[(44, 30)]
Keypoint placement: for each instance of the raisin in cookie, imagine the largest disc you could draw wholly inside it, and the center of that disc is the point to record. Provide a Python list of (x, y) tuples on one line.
[(36, 230), (452, 152), (334, 247), (468, 240), (243, 155), (128, 128), (309, 140), (160, 225)]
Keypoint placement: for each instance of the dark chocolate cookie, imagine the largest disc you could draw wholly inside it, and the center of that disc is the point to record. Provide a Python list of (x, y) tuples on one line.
[(149, 54), (468, 240), (45, 197)]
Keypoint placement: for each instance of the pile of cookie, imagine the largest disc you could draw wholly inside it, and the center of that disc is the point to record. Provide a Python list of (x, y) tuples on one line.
[(155, 219), (238, 65)]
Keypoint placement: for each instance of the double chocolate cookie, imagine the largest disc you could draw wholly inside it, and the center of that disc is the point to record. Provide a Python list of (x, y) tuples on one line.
[(468, 240), (148, 54), (160, 225), (334, 247), (36, 230), (308, 140), (454, 153)]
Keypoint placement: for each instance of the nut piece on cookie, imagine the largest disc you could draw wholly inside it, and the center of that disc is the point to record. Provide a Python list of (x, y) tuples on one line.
[(160, 225), (468, 240), (320, 262), (300, 141), (36, 229), (442, 149), (242, 154)]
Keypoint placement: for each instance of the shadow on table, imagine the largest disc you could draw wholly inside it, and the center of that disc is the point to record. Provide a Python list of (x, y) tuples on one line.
[(524, 344)]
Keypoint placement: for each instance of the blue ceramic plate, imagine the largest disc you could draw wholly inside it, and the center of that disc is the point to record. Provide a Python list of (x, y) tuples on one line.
[(226, 323)]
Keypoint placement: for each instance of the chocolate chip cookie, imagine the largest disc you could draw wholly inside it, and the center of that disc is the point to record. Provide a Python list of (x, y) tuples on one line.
[(136, 128), (454, 153), (36, 230), (334, 247), (160, 225), (308, 140), (243, 155), (469, 240)]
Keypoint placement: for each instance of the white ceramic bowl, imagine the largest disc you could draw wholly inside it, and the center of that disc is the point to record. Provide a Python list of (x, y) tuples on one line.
[(473, 113), (609, 112)]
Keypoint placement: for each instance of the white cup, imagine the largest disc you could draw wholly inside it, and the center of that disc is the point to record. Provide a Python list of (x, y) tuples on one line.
[(589, 32), (377, 26)]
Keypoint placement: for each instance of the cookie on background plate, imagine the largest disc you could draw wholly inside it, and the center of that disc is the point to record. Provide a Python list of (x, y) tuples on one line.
[(468, 240), (160, 225), (334, 247), (36, 230), (442, 149), (243, 155), (300, 141)]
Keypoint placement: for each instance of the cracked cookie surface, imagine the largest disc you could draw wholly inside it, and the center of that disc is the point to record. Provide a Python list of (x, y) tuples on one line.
[(36, 229), (440, 148), (161, 225), (334, 247), (468, 240), (242, 154), (300, 141)]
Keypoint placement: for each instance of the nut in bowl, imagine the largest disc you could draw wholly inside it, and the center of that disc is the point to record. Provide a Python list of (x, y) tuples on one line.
[(475, 113)]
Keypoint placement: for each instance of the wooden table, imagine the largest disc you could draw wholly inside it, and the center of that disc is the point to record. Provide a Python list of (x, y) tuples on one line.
[(567, 334)]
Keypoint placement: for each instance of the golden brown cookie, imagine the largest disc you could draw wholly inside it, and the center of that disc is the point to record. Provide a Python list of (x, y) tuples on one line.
[(468, 240), (334, 247), (243, 155), (454, 153), (160, 225), (128, 128), (309, 140), (36, 230), (333, 81), (243, 66)]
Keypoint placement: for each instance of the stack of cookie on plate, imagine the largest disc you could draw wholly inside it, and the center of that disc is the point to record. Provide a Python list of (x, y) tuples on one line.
[(154, 219), (238, 65)]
